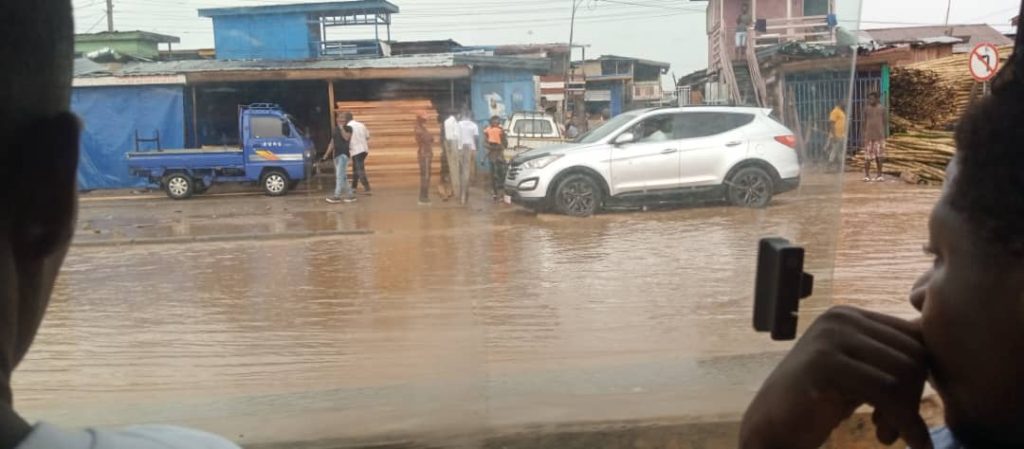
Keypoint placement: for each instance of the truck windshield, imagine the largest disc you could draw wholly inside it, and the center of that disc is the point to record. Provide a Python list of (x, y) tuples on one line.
[(295, 125), (599, 133)]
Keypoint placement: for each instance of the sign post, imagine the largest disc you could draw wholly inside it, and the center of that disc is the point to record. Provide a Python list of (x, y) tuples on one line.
[(984, 62)]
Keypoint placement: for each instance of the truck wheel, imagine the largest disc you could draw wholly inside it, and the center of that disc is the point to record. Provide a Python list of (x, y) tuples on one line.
[(750, 187), (578, 196), (275, 182), (178, 186)]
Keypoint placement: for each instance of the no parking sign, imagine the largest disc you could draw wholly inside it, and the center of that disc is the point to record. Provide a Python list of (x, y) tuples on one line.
[(984, 62)]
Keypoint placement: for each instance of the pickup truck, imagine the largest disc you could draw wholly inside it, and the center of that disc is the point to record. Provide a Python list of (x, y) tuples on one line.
[(529, 131), (273, 153)]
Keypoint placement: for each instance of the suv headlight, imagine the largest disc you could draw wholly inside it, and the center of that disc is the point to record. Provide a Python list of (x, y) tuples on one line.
[(540, 162)]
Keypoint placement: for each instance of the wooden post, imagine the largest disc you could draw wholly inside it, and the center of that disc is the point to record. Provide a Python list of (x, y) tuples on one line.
[(789, 9), (451, 91), (330, 99), (195, 120)]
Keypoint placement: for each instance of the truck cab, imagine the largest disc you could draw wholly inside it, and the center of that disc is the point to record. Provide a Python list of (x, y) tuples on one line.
[(272, 154)]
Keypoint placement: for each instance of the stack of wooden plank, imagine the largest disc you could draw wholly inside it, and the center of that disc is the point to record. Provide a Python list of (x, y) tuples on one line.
[(392, 123), (921, 97), (953, 72), (918, 156)]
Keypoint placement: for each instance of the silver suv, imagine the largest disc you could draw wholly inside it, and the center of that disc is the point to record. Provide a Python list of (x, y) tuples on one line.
[(741, 155)]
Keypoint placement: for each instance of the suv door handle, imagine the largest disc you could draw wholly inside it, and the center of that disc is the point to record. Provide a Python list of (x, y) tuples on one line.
[(669, 151), (734, 143)]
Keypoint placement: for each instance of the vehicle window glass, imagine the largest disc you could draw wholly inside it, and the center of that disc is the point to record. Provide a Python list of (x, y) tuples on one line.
[(267, 127), (703, 124), (532, 126), (654, 129), (609, 127)]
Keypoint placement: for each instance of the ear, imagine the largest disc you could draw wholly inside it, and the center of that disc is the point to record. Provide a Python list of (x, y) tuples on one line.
[(43, 181)]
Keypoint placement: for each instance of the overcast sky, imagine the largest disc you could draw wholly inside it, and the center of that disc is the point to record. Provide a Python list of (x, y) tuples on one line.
[(665, 30)]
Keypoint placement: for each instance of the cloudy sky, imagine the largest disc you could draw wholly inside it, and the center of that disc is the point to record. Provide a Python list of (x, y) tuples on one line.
[(666, 30)]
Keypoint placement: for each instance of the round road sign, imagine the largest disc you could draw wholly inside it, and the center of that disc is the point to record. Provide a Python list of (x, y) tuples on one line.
[(984, 62)]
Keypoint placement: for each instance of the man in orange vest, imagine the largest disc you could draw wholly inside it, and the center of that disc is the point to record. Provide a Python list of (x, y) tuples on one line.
[(496, 141)]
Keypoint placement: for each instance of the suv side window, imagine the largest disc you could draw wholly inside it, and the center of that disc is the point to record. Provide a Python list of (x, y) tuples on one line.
[(266, 127), (659, 128), (691, 125)]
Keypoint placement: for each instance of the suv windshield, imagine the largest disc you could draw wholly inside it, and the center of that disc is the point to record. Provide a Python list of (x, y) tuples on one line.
[(599, 133)]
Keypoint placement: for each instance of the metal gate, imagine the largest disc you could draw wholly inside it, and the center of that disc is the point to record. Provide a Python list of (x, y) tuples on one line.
[(810, 97)]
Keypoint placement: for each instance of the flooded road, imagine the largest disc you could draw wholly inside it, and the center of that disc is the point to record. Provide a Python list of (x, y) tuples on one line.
[(288, 319)]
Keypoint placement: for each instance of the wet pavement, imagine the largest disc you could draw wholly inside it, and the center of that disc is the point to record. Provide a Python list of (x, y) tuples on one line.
[(289, 319)]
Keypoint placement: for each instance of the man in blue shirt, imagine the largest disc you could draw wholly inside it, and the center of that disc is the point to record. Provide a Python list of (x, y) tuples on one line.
[(969, 340)]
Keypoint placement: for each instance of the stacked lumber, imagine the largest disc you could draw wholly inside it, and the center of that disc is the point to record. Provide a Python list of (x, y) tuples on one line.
[(918, 156), (953, 72), (392, 123), (920, 97)]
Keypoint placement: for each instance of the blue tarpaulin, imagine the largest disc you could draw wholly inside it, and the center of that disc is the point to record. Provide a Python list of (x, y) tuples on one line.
[(111, 115)]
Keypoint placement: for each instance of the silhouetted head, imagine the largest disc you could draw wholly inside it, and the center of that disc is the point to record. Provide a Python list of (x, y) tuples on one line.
[(38, 161), (873, 98), (495, 120), (972, 299)]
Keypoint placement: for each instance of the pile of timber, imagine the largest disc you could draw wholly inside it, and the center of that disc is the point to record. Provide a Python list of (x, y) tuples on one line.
[(918, 156), (920, 97), (953, 73), (392, 123)]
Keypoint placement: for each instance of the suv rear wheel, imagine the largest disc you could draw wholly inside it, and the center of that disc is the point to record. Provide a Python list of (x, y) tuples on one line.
[(578, 196), (750, 187)]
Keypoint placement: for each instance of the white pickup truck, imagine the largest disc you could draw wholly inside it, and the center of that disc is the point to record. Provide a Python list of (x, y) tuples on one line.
[(531, 130)]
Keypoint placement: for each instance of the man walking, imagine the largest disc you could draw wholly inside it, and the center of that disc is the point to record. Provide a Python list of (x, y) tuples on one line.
[(339, 149), (453, 147), (425, 155), (360, 148), (468, 134), (837, 136), (497, 141)]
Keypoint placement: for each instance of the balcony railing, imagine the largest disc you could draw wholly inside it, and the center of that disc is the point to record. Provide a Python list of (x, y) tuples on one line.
[(809, 29)]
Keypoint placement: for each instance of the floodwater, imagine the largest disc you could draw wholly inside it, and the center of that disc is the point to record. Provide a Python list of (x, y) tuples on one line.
[(443, 322)]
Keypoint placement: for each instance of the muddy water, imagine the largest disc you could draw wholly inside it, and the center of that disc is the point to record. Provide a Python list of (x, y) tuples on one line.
[(444, 320)]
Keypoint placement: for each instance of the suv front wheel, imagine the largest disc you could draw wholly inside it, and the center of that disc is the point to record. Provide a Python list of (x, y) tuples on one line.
[(578, 196), (750, 187)]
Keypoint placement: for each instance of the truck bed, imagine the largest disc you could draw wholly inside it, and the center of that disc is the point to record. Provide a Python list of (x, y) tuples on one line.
[(192, 158)]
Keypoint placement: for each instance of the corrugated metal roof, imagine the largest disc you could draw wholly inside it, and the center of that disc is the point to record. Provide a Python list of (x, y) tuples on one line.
[(326, 8), (394, 62), (972, 34), (85, 67)]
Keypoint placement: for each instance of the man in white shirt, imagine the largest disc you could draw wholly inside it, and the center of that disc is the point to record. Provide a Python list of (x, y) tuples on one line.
[(39, 147), (469, 133), (359, 147), (452, 149)]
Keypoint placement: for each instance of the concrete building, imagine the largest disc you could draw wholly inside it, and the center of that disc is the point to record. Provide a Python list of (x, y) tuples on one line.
[(616, 84), (136, 44)]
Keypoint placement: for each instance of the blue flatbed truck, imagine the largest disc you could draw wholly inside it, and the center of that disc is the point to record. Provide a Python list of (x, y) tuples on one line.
[(273, 154)]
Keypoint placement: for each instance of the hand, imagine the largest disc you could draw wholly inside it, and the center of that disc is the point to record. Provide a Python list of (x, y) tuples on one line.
[(847, 358)]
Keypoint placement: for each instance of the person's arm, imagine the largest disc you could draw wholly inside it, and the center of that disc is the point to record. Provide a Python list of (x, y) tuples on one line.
[(848, 357), (330, 150)]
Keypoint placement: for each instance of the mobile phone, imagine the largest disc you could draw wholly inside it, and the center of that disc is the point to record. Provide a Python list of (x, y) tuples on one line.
[(780, 285)]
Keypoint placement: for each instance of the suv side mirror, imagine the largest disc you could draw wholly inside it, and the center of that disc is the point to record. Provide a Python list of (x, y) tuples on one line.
[(624, 138)]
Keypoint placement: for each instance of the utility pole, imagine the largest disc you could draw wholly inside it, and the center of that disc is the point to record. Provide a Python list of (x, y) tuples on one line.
[(568, 59), (110, 15), (949, 7)]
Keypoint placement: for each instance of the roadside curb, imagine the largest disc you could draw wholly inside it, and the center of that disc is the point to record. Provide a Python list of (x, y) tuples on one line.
[(217, 238)]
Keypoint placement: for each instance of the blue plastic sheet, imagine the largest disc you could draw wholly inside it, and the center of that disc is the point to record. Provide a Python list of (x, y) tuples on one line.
[(111, 115)]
